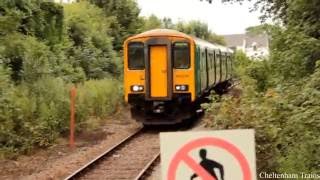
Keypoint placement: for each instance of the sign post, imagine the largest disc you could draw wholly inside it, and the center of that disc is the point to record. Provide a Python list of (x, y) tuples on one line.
[(73, 93)]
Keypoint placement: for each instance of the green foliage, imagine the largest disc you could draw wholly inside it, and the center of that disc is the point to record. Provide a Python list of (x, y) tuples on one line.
[(199, 30), (152, 22), (293, 53), (43, 20), (27, 57), (127, 21), (262, 29), (92, 50), (195, 28), (280, 96), (167, 23), (97, 99), (300, 14), (43, 49), (284, 115), (36, 114), (32, 115)]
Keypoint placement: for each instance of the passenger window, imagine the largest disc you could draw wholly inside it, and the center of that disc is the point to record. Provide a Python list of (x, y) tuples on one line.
[(203, 60), (181, 55), (211, 60), (136, 56), (218, 61)]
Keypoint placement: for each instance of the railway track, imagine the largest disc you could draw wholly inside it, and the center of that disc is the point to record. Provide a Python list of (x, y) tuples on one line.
[(132, 158)]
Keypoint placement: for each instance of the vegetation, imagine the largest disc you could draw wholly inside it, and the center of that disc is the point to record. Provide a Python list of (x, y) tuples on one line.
[(126, 19), (44, 49), (279, 95), (195, 28)]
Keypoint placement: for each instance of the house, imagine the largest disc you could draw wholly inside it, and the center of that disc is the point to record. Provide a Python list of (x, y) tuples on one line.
[(253, 45)]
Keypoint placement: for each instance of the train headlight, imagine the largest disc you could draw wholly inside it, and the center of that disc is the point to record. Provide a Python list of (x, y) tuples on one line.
[(181, 87), (137, 88)]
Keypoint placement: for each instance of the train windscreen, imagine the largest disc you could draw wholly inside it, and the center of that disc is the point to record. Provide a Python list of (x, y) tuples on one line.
[(181, 55), (136, 56)]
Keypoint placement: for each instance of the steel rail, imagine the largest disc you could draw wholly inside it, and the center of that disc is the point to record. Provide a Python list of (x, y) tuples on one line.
[(93, 162), (147, 167)]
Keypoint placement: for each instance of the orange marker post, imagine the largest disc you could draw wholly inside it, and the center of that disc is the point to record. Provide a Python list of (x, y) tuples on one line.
[(73, 93)]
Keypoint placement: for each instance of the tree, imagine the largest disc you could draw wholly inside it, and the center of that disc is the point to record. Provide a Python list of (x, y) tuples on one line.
[(152, 22), (200, 30), (127, 20), (43, 20), (167, 23), (88, 30)]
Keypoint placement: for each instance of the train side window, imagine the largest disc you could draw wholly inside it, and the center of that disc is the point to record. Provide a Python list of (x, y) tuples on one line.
[(181, 55), (223, 63), (218, 62), (136, 56), (203, 60), (230, 65), (211, 60), (226, 65), (227, 62)]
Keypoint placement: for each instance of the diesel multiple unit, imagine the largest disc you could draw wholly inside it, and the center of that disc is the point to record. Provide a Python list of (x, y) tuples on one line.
[(166, 73)]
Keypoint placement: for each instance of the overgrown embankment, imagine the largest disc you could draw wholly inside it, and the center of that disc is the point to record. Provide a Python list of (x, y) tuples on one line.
[(45, 49), (280, 94), (285, 116)]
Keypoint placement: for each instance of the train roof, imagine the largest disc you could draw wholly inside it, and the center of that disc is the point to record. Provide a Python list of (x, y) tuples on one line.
[(174, 33), (161, 32), (210, 45)]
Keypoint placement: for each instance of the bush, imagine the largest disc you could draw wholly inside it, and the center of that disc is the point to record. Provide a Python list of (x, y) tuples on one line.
[(34, 115), (286, 119), (97, 99), (44, 47)]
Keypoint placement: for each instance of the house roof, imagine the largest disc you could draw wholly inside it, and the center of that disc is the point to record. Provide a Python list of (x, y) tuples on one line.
[(235, 40)]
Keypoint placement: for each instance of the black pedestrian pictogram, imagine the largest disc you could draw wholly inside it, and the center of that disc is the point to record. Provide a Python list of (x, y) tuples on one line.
[(209, 165)]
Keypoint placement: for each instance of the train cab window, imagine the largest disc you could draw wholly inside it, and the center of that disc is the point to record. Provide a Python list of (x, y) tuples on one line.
[(181, 55), (136, 56)]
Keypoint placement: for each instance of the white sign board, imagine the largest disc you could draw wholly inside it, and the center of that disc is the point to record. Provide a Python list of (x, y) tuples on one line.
[(218, 155)]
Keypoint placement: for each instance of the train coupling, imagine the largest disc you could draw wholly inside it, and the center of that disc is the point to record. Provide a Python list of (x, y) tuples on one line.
[(158, 107)]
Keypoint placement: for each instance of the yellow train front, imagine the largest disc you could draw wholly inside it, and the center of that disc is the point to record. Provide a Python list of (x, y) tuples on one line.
[(166, 73)]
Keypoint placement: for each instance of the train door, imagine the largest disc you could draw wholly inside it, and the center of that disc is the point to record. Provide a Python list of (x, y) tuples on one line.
[(158, 71)]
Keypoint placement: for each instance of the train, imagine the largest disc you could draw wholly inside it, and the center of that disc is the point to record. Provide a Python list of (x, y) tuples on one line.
[(167, 73)]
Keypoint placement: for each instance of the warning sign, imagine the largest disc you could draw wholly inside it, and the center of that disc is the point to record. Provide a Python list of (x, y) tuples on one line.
[(211, 155)]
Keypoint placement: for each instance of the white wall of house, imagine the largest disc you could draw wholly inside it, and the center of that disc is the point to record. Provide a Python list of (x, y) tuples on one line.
[(256, 47), (261, 52)]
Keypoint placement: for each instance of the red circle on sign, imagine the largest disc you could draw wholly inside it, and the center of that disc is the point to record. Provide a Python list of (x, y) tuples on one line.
[(182, 155)]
